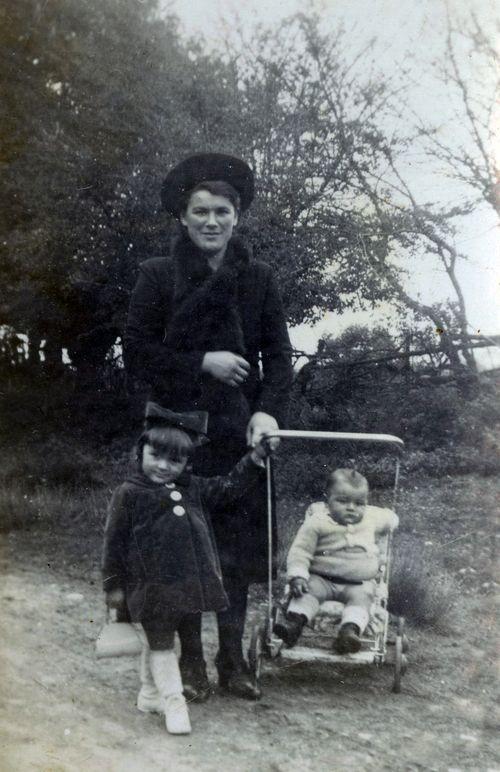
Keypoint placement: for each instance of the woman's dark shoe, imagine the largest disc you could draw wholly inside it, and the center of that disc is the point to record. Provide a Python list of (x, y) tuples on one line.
[(240, 683), (348, 640), (289, 627), (195, 683)]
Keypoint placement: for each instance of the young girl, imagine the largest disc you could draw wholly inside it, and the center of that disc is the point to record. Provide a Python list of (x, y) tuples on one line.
[(160, 562)]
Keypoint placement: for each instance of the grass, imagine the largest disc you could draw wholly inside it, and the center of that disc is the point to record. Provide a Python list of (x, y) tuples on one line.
[(17, 511), (53, 508)]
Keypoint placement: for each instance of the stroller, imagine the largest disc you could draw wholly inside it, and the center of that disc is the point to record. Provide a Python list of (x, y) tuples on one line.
[(378, 644)]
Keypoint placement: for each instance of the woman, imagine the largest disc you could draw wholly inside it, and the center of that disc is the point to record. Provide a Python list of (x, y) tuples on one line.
[(199, 321)]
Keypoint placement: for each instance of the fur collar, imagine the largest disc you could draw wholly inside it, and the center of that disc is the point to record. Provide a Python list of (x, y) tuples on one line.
[(192, 270), (205, 312)]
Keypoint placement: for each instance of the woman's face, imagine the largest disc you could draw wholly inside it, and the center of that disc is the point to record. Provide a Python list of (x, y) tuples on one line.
[(209, 220)]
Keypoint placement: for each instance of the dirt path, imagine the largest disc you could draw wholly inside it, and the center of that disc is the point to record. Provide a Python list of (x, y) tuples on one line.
[(64, 710)]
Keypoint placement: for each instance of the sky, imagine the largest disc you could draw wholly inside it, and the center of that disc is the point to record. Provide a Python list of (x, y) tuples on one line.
[(401, 27)]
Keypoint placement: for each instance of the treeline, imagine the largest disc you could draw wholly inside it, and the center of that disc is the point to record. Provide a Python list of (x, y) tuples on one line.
[(103, 96)]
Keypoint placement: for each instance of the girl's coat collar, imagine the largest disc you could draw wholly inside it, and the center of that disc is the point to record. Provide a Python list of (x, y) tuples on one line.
[(140, 480)]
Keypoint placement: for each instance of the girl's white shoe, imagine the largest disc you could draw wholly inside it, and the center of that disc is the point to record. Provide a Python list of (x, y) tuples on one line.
[(176, 715), (168, 681)]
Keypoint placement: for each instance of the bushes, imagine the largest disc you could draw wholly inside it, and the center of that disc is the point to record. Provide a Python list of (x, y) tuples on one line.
[(427, 418), (354, 385), (57, 462), (420, 589), (303, 472), (443, 438)]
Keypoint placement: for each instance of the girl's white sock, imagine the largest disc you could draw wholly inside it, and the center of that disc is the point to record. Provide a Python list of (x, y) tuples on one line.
[(166, 673)]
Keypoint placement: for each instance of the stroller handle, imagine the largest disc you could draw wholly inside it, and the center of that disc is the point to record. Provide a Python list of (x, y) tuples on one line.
[(299, 434)]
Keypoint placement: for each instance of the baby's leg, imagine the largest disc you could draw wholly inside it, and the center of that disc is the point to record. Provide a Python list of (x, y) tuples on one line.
[(302, 610), (320, 589), (358, 599)]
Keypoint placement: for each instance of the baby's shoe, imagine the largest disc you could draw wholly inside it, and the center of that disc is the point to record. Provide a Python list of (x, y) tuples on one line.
[(177, 715), (348, 640), (289, 627)]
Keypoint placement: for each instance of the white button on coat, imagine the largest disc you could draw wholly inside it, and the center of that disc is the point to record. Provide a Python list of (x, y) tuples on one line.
[(176, 495), (179, 511)]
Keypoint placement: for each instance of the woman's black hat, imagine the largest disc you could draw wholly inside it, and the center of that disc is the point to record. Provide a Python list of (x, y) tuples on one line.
[(194, 423), (203, 167)]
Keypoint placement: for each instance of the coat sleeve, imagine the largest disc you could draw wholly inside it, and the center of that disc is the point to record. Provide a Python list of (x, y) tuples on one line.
[(225, 489), (303, 548), (146, 356), (276, 353), (116, 533)]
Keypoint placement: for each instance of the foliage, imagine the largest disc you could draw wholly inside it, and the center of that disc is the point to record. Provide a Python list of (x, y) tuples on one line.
[(310, 113), (103, 97), (420, 589), (364, 381)]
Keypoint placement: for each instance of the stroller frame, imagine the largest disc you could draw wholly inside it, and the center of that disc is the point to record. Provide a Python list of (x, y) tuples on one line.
[(265, 644)]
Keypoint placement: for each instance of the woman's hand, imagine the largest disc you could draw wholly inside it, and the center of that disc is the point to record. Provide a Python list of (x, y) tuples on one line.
[(259, 425), (226, 367), (261, 451)]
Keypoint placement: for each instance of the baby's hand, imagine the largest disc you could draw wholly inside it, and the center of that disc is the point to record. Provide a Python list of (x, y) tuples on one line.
[(115, 599), (298, 586)]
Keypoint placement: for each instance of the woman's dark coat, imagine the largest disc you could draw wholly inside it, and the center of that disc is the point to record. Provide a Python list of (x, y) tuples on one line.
[(159, 548), (179, 310)]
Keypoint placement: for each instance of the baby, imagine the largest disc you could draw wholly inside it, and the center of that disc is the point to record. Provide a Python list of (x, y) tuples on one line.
[(335, 556)]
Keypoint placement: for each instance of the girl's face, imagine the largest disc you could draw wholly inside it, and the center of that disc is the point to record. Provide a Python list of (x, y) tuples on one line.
[(160, 467), (209, 221), (346, 503)]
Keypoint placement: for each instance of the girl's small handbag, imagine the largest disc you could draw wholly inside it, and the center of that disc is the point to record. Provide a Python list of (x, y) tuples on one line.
[(118, 639)]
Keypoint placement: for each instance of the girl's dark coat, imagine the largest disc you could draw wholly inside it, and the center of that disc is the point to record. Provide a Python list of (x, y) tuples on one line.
[(179, 310), (166, 562)]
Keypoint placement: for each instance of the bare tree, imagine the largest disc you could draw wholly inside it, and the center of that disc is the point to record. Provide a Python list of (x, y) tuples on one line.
[(320, 126), (470, 71)]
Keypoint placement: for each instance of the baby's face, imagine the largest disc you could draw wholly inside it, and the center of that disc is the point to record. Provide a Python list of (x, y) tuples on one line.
[(159, 467), (347, 504)]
